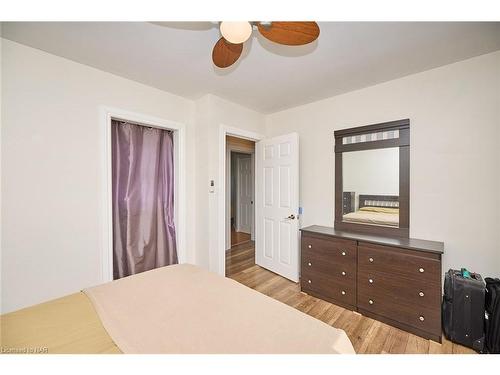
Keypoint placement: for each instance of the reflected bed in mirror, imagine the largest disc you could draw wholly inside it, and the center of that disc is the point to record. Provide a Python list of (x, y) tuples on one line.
[(375, 210), (371, 187)]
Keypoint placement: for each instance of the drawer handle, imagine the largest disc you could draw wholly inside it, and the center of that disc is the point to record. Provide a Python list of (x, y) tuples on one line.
[(343, 253), (309, 281), (343, 273), (421, 294), (343, 292), (309, 264), (371, 260), (370, 301), (370, 281), (309, 246), (421, 270), (421, 318)]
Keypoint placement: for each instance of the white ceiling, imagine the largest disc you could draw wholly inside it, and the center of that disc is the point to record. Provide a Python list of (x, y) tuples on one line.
[(176, 57)]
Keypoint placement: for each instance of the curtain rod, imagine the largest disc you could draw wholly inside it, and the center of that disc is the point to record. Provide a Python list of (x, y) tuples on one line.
[(122, 122)]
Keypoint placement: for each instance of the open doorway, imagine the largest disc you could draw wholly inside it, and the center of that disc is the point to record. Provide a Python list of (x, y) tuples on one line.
[(240, 207), (275, 245)]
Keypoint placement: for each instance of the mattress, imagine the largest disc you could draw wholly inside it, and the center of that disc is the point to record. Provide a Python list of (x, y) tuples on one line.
[(374, 218), (174, 309)]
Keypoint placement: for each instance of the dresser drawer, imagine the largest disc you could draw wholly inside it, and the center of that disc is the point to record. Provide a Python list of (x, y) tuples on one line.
[(312, 262), (333, 251), (424, 318), (405, 265), (332, 288), (344, 273), (419, 292)]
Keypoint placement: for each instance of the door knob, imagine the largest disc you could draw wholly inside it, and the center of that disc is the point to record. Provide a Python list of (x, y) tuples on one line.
[(291, 217)]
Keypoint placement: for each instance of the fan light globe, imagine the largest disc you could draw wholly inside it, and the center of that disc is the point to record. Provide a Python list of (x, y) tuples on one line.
[(236, 32)]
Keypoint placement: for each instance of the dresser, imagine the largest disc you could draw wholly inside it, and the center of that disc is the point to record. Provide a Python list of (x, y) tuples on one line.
[(394, 280), (348, 202)]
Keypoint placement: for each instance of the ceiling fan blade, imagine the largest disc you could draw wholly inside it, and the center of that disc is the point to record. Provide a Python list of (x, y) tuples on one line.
[(226, 54), (290, 33)]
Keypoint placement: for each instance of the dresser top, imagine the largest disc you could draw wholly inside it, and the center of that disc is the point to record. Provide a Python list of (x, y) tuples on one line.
[(406, 243)]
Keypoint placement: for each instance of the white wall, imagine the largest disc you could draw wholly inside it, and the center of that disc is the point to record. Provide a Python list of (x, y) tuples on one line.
[(455, 154), (1, 126), (51, 169)]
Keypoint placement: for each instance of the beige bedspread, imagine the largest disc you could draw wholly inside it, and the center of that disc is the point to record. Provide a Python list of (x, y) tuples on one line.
[(377, 218), (184, 309), (64, 325)]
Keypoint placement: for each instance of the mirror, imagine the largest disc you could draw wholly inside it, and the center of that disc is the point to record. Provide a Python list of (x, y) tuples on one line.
[(370, 191), (372, 179)]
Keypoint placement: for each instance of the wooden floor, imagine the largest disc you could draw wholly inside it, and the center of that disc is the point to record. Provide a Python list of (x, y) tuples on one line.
[(239, 237), (367, 335)]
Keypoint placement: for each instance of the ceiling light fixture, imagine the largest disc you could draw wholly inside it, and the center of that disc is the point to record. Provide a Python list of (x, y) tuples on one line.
[(236, 32), (229, 47)]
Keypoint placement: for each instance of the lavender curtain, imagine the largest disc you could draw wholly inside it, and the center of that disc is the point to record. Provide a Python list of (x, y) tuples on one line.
[(143, 199)]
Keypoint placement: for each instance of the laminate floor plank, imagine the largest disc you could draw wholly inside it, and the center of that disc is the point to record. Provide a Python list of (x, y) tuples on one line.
[(367, 335)]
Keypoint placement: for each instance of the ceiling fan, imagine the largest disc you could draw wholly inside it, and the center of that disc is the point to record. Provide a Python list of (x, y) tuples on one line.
[(229, 47)]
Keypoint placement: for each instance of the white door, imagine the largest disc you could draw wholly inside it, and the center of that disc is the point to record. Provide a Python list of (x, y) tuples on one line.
[(277, 205), (244, 194)]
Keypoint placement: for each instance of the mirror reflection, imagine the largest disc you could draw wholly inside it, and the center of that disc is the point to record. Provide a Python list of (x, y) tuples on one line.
[(371, 187)]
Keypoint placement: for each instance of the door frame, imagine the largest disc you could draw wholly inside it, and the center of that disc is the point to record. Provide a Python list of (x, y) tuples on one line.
[(106, 115), (224, 131)]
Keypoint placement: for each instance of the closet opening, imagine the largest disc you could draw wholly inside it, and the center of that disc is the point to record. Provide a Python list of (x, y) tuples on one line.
[(142, 160), (144, 195)]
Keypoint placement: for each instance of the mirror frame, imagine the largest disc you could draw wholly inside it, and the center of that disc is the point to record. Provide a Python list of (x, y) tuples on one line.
[(403, 142)]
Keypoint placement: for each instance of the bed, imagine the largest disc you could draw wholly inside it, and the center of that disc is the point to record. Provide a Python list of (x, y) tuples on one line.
[(175, 309), (380, 210)]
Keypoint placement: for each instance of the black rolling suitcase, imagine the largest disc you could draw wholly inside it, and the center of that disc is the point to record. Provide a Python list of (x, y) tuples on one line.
[(493, 315), (463, 309)]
